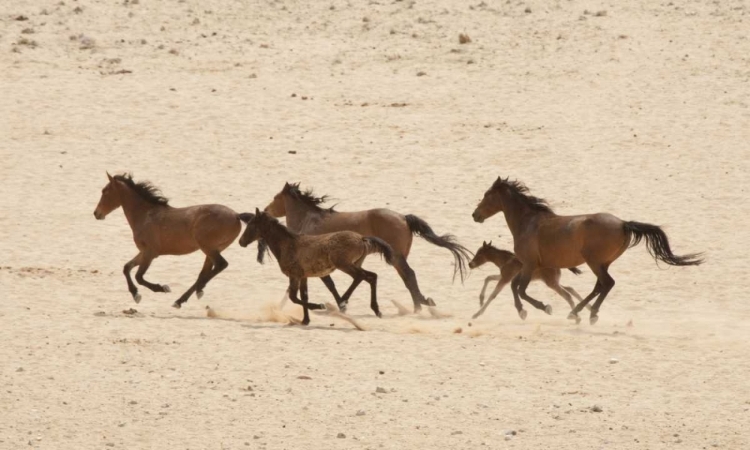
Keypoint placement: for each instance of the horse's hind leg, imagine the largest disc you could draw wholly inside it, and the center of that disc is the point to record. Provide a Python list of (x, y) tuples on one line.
[(145, 264), (583, 303), (126, 271), (607, 283), (575, 294), (359, 275), (551, 278), (409, 277), (523, 283), (328, 281), (212, 266)]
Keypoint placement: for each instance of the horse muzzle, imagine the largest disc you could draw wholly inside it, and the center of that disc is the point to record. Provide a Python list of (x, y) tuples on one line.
[(98, 215), (477, 217), (472, 265)]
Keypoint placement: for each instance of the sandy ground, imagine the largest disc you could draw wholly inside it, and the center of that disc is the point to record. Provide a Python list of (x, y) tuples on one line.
[(637, 108)]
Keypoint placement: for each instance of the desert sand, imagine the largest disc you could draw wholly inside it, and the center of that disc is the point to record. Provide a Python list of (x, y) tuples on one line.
[(640, 109)]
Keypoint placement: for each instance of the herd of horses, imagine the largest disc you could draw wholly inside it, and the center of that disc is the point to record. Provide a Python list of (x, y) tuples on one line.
[(316, 241)]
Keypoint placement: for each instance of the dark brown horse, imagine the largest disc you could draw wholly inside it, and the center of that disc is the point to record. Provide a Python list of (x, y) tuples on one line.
[(304, 215), (302, 256), (509, 267), (160, 229), (544, 239)]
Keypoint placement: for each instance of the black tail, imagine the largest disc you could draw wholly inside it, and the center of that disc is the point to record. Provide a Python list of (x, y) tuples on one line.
[(245, 217), (377, 245), (575, 270), (461, 254), (658, 244)]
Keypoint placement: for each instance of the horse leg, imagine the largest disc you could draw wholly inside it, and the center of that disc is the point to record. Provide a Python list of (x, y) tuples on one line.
[(410, 281), (484, 288), (359, 274), (328, 281), (499, 287), (517, 298), (551, 278), (145, 264), (126, 270), (574, 314), (607, 283), (294, 286), (523, 283), (303, 294), (212, 266), (575, 294), (372, 279)]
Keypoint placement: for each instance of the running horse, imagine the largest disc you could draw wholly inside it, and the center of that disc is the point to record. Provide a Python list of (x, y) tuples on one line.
[(303, 256), (160, 229), (509, 267), (305, 215), (544, 239)]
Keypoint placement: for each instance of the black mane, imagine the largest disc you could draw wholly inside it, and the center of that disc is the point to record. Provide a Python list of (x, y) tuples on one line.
[(144, 189), (307, 197), (522, 192)]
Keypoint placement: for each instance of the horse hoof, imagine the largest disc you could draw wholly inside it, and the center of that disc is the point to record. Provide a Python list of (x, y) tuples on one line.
[(137, 298), (199, 294), (593, 320), (176, 305), (431, 302), (165, 288), (379, 314), (548, 309), (578, 320), (574, 316), (522, 314)]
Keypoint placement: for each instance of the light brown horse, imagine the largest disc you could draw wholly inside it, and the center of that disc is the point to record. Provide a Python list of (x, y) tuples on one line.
[(509, 267), (160, 229), (544, 239), (304, 215), (303, 256)]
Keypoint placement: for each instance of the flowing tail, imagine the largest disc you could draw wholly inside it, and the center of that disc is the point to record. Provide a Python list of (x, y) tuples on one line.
[(377, 245), (658, 244), (460, 253)]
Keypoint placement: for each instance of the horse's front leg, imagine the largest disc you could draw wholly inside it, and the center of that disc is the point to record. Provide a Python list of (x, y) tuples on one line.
[(126, 271), (523, 283), (142, 268), (484, 288)]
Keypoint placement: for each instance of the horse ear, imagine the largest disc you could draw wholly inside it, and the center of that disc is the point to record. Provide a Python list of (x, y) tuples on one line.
[(257, 211), (484, 243), (109, 176), (490, 244)]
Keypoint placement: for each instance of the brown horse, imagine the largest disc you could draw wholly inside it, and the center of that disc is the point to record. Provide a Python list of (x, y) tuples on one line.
[(544, 239), (302, 256), (509, 267), (304, 215), (159, 229)]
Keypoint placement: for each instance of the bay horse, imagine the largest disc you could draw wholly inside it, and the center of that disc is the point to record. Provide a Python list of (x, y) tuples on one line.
[(544, 239), (305, 215), (315, 256), (160, 229), (509, 267)]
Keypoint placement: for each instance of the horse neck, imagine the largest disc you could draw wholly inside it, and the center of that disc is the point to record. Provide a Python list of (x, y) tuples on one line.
[(499, 257), (134, 206), (299, 214), (517, 214), (278, 239)]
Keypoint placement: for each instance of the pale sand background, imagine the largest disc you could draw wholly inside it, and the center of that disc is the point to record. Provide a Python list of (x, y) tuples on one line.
[(642, 112)]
